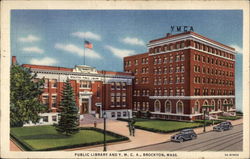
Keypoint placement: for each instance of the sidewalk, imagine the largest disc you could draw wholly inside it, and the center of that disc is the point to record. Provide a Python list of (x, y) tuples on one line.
[(142, 138)]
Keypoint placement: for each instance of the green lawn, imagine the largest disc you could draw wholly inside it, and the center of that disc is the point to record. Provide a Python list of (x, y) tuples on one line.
[(165, 126), (47, 138)]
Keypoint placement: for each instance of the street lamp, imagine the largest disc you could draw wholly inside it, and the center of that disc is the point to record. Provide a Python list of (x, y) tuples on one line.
[(104, 139), (204, 115)]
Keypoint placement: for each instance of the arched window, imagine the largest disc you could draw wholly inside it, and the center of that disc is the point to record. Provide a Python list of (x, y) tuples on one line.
[(225, 107), (179, 107), (213, 104), (197, 107), (205, 102), (157, 106), (219, 104), (168, 106)]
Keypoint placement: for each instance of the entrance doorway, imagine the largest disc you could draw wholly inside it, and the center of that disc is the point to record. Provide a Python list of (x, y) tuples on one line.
[(84, 106)]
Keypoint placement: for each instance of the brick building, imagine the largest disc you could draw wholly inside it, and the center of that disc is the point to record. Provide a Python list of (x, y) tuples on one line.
[(94, 90), (181, 73)]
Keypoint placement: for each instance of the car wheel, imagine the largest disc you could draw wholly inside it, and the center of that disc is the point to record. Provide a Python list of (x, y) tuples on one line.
[(181, 140), (193, 137)]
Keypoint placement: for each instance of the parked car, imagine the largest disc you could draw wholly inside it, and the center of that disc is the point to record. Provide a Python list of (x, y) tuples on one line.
[(223, 126), (185, 134)]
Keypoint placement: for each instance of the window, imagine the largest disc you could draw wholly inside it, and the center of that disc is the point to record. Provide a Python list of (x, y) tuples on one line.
[(119, 114), (157, 106), (112, 85), (53, 83), (165, 60), (134, 105), (165, 80), (177, 58), (182, 79), (182, 92), (159, 61), (46, 83), (196, 107), (171, 92), (171, 69), (85, 84), (54, 100), (124, 114), (138, 106), (98, 93), (168, 107), (45, 119), (159, 92), (156, 92), (182, 68), (177, 92), (118, 100), (147, 106), (113, 114), (112, 101), (165, 92), (136, 81), (179, 107), (165, 70), (118, 85), (177, 79), (182, 44), (136, 62), (171, 59), (123, 101), (45, 100), (182, 57), (177, 69), (54, 118), (170, 80), (136, 71)]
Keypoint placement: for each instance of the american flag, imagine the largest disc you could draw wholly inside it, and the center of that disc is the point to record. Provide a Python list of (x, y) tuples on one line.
[(88, 45)]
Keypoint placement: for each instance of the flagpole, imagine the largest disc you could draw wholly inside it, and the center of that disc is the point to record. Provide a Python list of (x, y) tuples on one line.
[(84, 52)]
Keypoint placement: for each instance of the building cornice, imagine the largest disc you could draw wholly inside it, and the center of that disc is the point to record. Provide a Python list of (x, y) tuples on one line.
[(190, 37), (79, 74), (190, 47)]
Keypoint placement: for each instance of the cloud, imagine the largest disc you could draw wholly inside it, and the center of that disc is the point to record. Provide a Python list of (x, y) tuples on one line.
[(119, 52), (76, 50), (30, 38), (43, 61), (237, 48), (32, 49), (133, 41), (87, 35)]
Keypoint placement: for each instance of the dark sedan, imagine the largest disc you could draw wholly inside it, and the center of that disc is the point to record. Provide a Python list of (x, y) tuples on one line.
[(223, 126), (186, 134)]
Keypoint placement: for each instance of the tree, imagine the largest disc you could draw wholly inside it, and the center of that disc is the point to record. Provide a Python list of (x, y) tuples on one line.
[(68, 116), (25, 90)]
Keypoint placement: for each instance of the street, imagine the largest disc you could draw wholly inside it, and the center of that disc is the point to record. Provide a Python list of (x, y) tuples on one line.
[(230, 140)]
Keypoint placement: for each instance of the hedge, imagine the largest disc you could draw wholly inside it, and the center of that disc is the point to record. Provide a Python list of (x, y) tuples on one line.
[(230, 117), (27, 147)]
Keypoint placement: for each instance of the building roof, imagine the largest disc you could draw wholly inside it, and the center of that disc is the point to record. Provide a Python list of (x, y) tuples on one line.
[(63, 69), (169, 36)]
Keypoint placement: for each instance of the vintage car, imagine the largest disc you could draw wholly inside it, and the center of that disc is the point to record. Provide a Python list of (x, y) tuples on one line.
[(223, 126), (185, 134)]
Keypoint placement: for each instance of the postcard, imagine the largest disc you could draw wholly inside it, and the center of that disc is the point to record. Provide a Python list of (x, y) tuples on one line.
[(124, 79)]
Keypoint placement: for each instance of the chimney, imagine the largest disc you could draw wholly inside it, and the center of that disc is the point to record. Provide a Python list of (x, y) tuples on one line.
[(168, 34), (13, 60)]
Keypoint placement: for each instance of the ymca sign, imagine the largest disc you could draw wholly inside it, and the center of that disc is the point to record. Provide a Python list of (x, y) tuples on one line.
[(181, 28)]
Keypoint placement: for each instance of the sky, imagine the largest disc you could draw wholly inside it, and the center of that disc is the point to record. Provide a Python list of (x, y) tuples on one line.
[(56, 37)]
